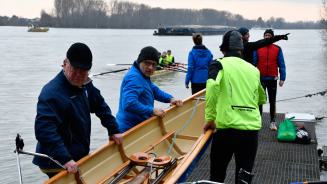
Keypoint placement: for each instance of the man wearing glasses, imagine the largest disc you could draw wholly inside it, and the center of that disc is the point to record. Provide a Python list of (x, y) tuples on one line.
[(63, 121), (137, 92)]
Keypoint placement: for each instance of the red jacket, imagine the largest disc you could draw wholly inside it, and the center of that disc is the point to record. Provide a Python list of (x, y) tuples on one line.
[(267, 60)]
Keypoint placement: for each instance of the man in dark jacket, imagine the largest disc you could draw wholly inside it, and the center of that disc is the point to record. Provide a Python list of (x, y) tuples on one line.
[(250, 47), (63, 121)]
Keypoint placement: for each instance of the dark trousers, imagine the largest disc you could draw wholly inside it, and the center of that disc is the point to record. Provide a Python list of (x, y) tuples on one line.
[(242, 144), (196, 87), (271, 87), (50, 174)]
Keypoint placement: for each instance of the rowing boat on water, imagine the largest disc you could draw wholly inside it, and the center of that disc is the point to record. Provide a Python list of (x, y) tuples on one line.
[(38, 29), (162, 72), (168, 146)]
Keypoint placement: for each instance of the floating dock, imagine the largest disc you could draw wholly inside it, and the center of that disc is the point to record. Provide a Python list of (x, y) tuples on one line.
[(276, 162)]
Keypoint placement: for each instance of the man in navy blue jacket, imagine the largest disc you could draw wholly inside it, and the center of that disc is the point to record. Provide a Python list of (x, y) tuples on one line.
[(137, 92), (63, 121)]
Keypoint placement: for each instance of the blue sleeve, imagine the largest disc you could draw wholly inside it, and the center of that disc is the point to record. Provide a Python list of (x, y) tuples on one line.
[(190, 68), (132, 89), (281, 65), (211, 58), (46, 126), (102, 110), (160, 95), (255, 58)]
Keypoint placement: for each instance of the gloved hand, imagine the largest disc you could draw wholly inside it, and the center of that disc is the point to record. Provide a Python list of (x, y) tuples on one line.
[(283, 37)]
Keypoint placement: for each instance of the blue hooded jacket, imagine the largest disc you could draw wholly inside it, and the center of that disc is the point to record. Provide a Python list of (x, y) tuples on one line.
[(137, 95), (199, 59), (63, 121)]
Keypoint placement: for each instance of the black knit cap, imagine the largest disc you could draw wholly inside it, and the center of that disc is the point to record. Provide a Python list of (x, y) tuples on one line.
[(243, 30), (232, 41), (80, 56), (148, 53), (270, 31)]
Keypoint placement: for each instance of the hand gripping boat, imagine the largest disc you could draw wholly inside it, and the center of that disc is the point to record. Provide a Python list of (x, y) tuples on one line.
[(158, 150)]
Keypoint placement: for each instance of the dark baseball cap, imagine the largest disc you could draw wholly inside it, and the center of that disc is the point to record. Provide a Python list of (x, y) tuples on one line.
[(80, 56)]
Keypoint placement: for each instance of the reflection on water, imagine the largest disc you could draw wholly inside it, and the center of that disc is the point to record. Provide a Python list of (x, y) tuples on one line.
[(29, 60)]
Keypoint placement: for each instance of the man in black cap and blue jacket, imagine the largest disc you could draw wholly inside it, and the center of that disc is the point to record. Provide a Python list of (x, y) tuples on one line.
[(63, 121), (137, 92)]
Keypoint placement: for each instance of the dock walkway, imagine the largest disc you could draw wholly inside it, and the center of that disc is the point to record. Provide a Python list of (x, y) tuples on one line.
[(276, 162)]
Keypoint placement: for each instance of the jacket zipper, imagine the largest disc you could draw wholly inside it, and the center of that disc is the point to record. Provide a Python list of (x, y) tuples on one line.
[(267, 60), (242, 107)]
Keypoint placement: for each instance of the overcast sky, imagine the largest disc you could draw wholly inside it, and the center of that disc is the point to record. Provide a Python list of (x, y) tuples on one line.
[(290, 10)]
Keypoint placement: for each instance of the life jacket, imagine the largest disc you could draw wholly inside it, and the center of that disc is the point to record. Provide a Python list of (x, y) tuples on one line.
[(163, 61), (267, 60), (169, 59)]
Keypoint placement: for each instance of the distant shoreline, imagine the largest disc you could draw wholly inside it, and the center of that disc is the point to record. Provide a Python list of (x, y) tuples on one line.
[(156, 28), (128, 15)]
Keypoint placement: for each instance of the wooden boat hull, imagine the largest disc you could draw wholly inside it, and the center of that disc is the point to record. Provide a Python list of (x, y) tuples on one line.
[(178, 134)]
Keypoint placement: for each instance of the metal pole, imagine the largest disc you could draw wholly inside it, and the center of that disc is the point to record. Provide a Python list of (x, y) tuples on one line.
[(42, 155), (19, 169), (19, 150)]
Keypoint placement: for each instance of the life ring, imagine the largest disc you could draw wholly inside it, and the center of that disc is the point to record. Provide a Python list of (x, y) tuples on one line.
[(140, 158), (161, 161)]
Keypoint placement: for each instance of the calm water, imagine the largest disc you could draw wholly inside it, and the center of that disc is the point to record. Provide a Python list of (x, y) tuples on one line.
[(29, 60)]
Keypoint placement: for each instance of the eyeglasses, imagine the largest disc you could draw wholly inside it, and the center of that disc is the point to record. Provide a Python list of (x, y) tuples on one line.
[(148, 63), (78, 70)]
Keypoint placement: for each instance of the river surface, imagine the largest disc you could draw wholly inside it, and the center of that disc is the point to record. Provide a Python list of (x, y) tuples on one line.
[(29, 60)]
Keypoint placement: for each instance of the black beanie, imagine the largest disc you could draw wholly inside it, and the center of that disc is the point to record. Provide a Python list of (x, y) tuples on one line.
[(243, 30), (232, 41), (80, 56), (148, 53), (270, 31)]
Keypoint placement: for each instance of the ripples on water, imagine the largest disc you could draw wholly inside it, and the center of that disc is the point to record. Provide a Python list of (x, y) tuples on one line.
[(29, 60)]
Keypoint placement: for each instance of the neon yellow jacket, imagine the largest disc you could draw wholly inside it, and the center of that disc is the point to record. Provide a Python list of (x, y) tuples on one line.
[(163, 61), (232, 100), (170, 59), (166, 60)]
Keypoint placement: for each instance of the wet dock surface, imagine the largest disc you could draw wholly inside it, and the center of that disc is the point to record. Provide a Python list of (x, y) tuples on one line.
[(276, 162)]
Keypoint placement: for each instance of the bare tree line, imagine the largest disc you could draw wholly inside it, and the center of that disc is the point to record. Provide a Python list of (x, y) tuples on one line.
[(126, 15), (324, 14), (98, 14), (77, 13)]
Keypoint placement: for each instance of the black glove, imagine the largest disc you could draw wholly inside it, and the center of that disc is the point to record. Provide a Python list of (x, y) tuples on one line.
[(282, 37)]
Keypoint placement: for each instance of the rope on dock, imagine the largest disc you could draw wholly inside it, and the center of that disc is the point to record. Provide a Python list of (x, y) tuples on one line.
[(322, 93), (186, 124)]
